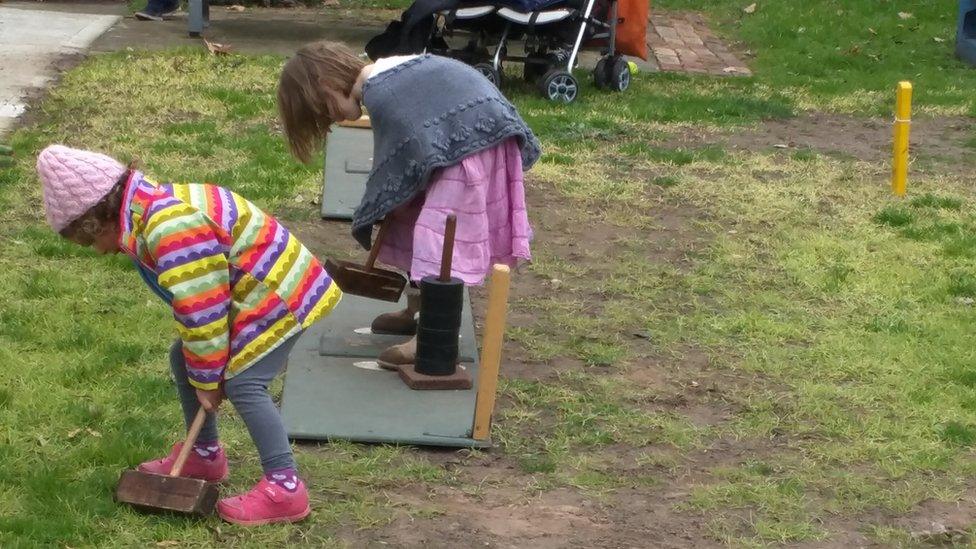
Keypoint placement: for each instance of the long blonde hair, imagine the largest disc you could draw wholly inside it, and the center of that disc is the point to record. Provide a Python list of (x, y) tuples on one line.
[(306, 109)]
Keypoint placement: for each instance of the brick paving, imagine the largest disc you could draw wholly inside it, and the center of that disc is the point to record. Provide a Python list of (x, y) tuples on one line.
[(682, 42)]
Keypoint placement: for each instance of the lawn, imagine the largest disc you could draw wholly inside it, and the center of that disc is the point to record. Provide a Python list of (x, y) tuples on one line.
[(750, 345)]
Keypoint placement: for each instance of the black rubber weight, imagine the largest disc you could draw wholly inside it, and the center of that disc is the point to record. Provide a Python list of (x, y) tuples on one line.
[(438, 336), (440, 318), (436, 295), (436, 360)]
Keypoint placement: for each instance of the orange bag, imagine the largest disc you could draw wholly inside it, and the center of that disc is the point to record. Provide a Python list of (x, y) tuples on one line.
[(632, 16)]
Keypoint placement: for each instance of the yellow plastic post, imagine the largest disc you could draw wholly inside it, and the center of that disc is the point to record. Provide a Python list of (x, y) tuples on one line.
[(491, 351), (903, 123)]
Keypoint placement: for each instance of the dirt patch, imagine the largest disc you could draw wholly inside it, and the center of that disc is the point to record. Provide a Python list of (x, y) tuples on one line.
[(555, 519), (936, 144)]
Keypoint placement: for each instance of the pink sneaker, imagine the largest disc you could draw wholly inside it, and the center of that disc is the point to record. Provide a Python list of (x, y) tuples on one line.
[(266, 503), (195, 467)]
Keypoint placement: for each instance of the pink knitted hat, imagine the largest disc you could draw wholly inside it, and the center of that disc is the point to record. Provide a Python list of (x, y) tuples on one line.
[(74, 181)]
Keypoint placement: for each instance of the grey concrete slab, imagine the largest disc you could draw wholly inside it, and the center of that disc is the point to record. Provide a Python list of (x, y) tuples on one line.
[(334, 389), (341, 398), (346, 332), (31, 41), (348, 161)]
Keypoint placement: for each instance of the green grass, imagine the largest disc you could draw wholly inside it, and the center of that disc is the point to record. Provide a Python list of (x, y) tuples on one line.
[(848, 56)]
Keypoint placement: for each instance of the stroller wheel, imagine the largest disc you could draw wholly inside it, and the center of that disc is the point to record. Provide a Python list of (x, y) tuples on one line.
[(532, 72), (489, 72), (559, 85), (619, 74), (601, 76)]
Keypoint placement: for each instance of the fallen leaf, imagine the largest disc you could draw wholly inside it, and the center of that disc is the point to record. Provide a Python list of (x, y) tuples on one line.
[(217, 49), (95, 434), (872, 31), (330, 3), (73, 433), (235, 7), (168, 543), (965, 300), (751, 8), (781, 146), (905, 15), (939, 40)]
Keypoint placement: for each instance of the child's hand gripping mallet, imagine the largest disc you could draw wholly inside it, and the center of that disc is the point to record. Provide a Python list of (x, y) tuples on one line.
[(171, 492)]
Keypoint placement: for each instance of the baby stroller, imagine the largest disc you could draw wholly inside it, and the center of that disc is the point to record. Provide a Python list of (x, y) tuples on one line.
[(553, 33)]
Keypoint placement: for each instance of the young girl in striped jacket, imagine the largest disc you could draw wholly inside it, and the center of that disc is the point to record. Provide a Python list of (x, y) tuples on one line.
[(242, 289)]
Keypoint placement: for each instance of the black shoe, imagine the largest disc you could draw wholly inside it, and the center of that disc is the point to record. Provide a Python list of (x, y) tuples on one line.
[(157, 10)]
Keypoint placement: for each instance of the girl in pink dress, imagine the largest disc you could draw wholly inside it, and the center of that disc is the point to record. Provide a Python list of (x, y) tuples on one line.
[(446, 141)]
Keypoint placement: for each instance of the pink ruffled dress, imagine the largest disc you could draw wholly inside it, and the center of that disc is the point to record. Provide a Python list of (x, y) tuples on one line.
[(486, 192)]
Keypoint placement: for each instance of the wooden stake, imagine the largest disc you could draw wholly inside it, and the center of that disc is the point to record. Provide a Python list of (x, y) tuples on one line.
[(491, 351), (903, 122)]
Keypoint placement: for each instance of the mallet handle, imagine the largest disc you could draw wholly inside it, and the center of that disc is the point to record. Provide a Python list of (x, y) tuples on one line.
[(374, 250), (448, 253), (191, 437)]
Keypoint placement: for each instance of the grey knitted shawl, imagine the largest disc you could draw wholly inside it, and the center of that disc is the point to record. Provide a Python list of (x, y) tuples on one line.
[(429, 113)]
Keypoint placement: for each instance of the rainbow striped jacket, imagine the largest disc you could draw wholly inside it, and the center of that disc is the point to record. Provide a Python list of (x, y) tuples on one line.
[(241, 284)]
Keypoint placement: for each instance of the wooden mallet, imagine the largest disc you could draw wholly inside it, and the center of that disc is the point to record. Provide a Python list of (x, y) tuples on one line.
[(367, 280), (152, 492)]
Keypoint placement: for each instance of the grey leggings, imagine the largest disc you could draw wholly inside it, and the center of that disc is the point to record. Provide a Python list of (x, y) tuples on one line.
[(248, 392)]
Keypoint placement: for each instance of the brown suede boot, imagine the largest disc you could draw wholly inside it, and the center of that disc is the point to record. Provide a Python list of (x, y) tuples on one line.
[(398, 355), (403, 322)]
